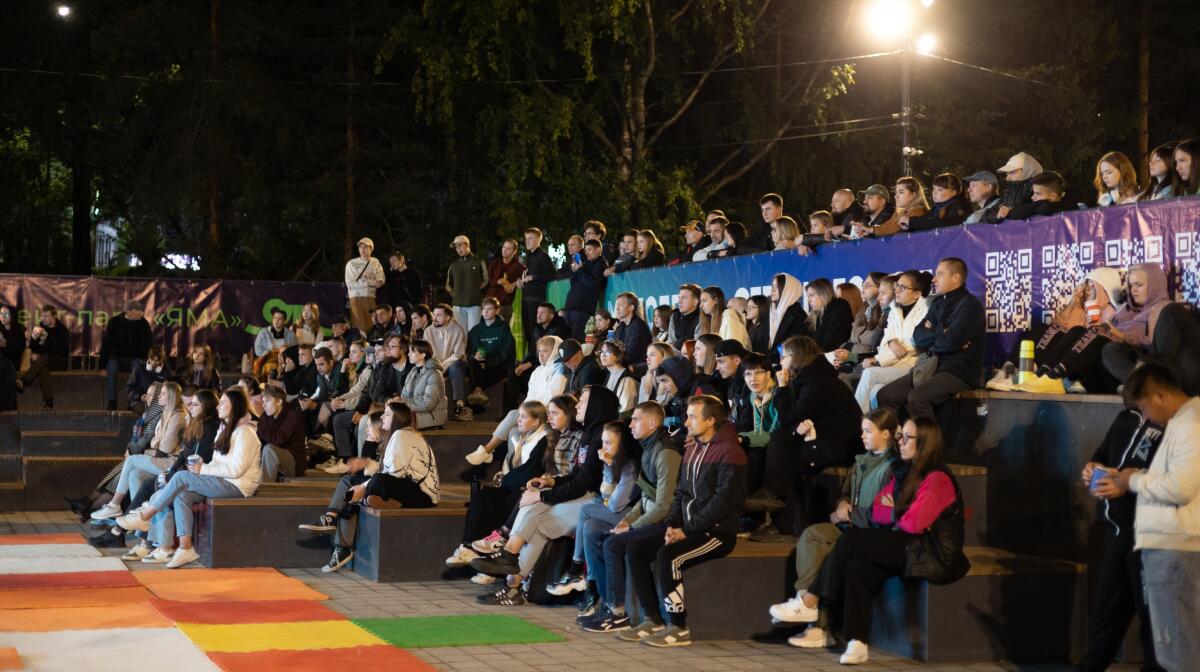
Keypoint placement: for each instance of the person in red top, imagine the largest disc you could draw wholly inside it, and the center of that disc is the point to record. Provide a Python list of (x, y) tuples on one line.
[(503, 273), (919, 508)]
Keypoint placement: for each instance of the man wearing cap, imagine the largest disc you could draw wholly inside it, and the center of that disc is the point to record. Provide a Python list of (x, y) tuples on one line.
[(877, 209), (364, 275), (342, 329), (1018, 172), (716, 236), (694, 240), (984, 191), (727, 381), (126, 341), (466, 278), (582, 370), (271, 340)]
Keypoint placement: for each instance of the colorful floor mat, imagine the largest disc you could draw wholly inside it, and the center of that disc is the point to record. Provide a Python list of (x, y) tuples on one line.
[(45, 598), (10, 659), (231, 613), (475, 630), (51, 565), (112, 650), (136, 615), (225, 585), (382, 658), (48, 551), (61, 538), (247, 637), (61, 580)]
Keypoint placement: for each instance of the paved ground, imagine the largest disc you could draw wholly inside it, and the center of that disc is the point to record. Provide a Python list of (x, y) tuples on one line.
[(581, 652)]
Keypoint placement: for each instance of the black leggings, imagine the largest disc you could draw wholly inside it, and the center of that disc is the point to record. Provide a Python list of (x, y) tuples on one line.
[(861, 560), (487, 510)]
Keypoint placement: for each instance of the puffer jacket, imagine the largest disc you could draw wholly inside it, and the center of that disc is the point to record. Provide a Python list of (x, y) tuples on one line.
[(425, 393), (936, 554)]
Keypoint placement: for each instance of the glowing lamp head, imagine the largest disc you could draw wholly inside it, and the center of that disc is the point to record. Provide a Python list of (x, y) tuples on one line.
[(926, 43), (888, 20), (64, 11)]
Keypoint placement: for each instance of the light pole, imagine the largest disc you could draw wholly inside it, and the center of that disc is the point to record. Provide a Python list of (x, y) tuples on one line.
[(892, 21)]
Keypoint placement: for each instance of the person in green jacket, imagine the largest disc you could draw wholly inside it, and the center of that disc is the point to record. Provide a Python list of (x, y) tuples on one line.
[(871, 471), (466, 278), (491, 353)]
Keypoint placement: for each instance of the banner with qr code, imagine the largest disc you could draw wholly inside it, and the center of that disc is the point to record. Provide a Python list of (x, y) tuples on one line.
[(1023, 271)]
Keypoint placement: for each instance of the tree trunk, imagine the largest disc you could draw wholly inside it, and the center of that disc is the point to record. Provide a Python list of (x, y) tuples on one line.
[(214, 177), (351, 141), (81, 197), (1144, 93)]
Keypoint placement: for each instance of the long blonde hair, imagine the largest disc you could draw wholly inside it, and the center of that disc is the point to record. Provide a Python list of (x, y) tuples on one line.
[(1128, 186), (824, 288), (209, 365), (172, 398), (711, 324), (914, 185), (313, 325), (652, 243)]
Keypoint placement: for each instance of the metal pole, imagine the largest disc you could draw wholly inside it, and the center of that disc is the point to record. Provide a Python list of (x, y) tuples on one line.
[(906, 106)]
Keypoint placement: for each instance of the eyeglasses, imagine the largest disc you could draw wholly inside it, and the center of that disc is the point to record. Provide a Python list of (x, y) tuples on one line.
[(905, 438), (905, 287)]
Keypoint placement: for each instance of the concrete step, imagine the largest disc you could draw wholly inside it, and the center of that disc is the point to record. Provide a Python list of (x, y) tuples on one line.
[(73, 391), (70, 443), (48, 479), (11, 469)]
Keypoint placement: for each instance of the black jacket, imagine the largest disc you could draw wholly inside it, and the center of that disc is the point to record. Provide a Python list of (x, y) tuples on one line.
[(139, 382), (760, 236), (712, 485), (14, 343), (847, 217), (202, 447), (286, 432), (602, 407), (954, 330), (1131, 442), (587, 286), (540, 271), (794, 323), (57, 343), (816, 393), (125, 338), (833, 325), (588, 373), (950, 213), (386, 382), (635, 336), (1038, 209), (936, 555), (532, 467), (728, 389), (684, 327), (402, 286), (557, 327), (689, 251), (653, 258), (759, 333)]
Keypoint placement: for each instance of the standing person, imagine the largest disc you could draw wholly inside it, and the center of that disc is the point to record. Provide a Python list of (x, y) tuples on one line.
[(12, 343), (503, 274), (694, 239), (49, 349), (1168, 508), (364, 275), (539, 271), (877, 209), (1164, 181), (1116, 180), (772, 209), (126, 341), (587, 287), (984, 191), (466, 278), (843, 211), (650, 251), (403, 281), (701, 524), (595, 230), (627, 254)]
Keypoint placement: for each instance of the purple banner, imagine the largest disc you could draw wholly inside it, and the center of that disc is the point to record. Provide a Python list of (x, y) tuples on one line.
[(225, 314)]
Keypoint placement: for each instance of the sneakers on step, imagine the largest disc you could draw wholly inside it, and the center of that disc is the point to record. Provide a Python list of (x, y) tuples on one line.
[(337, 468), (479, 456), (326, 524), (159, 556), (464, 414), (589, 606), (106, 512), (341, 556), (672, 635), (489, 544), (642, 631), (763, 500), (461, 557), (856, 653), (813, 637), (500, 563), (483, 580), (505, 596), (1074, 387), (477, 398), (794, 611), (133, 521), (137, 552), (327, 464), (567, 584), (606, 621), (1001, 382), (182, 556), (767, 534)]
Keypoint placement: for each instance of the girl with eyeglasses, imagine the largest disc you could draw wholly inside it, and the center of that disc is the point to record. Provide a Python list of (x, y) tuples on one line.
[(896, 354)]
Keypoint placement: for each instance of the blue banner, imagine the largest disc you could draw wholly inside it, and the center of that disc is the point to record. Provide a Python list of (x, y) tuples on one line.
[(1023, 271)]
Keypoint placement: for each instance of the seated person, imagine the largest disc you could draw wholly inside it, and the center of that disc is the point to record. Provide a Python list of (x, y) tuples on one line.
[(233, 472), (297, 371), (701, 525), (619, 380), (548, 324), (281, 433), (676, 384), (425, 388), (954, 330), (253, 393), (605, 545), (545, 383), (550, 505), (580, 367), (1135, 325), (871, 470), (704, 355), (919, 509), (656, 352), (1070, 346), (621, 455), (757, 413), (49, 350), (201, 369), (490, 354), (142, 377), (158, 456), (405, 477), (330, 383), (830, 318), (787, 316), (727, 381), (897, 354), (951, 206), (869, 320), (1049, 188), (270, 342)]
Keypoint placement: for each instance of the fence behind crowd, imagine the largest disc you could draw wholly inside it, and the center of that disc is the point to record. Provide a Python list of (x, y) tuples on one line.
[(225, 314), (1023, 270)]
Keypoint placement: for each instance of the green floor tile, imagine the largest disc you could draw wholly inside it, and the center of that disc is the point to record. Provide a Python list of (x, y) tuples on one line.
[(419, 632)]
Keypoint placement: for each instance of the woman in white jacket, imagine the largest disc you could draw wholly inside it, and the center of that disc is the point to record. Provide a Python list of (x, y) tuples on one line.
[(897, 354), (235, 471), (716, 318), (545, 383)]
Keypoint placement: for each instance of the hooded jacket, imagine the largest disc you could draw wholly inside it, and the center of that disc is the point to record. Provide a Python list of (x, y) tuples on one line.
[(951, 212), (589, 471), (496, 339), (682, 372), (712, 485), (1130, 443), (787, 316), (657, 481), (547, 380), (425, 392), (1168, 502), (1136, 322), (900, 327), (817, 394), (587, 373), (285, 432)]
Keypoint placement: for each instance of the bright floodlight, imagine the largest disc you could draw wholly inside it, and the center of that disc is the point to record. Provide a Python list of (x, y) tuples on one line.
[(888, 20), (64, 11), (926, 43), (926, 3)]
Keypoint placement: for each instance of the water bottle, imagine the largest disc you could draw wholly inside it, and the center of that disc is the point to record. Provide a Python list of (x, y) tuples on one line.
[(1025, 365)]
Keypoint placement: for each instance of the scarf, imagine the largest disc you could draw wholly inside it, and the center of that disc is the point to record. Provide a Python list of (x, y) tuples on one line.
[(1136, 321), (789, 295)]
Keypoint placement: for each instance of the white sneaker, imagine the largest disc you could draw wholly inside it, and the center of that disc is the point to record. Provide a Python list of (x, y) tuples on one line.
[(483, 579), (479, 456), (183, 556), (813, 637), (794, 611), (461, 557), (489, 544), (137, 552), (159, 556), (106, 512), (132, 521), (338, 468), (856, 653), (332, 461)]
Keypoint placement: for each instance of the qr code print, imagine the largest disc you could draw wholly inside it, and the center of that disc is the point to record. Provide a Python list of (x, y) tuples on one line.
[(1123, 252), (1009, 290), (1064, 268), (1187, 280)]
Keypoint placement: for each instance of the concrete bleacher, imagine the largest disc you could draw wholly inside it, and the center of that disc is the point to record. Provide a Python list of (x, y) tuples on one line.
[(45, 456)]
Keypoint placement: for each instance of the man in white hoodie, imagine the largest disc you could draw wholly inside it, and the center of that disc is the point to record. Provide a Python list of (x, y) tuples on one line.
[(1167, 522)]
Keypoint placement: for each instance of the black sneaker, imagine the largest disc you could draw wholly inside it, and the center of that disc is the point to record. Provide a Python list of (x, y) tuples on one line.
[(506, 596), (107, 540), (606, 621), (567, 584), (341, 556), (326, 524), (767, 534), (500, 563), (763, 500), (589, 606)]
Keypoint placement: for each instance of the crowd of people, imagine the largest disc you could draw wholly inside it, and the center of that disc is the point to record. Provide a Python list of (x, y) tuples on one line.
[(661, 440)]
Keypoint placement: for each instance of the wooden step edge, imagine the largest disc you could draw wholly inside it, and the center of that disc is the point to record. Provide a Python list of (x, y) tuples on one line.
[(62, 412), (442, 510), (959, 470), (67, 434), (12, 485), (1028, 396), (231, 502), (989, 561), (43, 459)]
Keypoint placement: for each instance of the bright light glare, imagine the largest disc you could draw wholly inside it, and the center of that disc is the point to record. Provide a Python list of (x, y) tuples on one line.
[(64, 11), (926, 3), (926, 43), (888, 20)]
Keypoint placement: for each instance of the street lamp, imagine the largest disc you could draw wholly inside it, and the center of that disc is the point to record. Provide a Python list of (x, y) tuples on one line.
[(892, 21), (64, 11)]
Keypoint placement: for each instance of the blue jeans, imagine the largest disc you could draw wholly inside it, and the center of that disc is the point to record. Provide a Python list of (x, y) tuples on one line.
[(138, 469), (114, 368), (608, 561), (457, 374), (468, 316), (595, 516), (1172, 580), (178, 493)]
